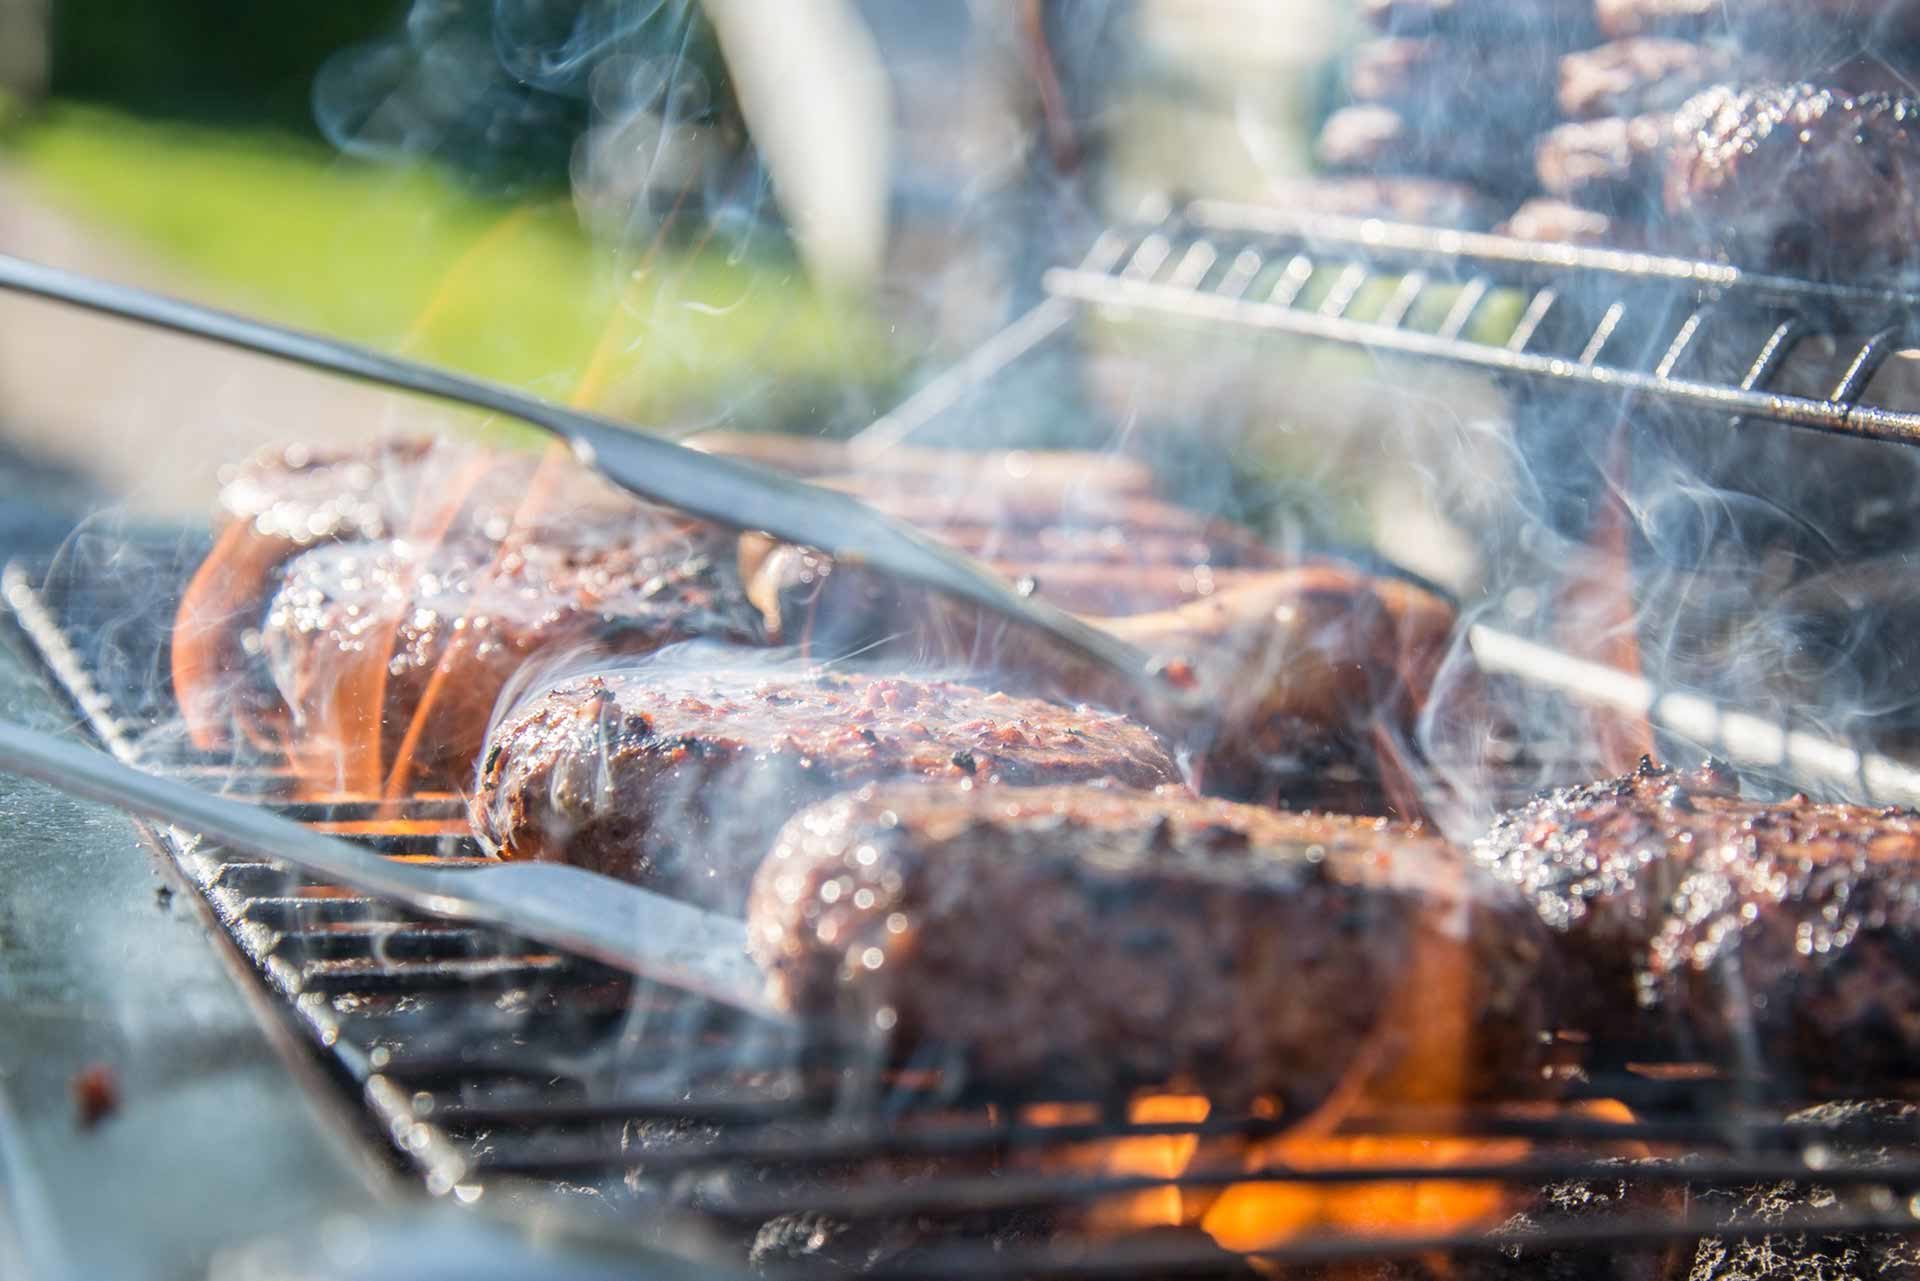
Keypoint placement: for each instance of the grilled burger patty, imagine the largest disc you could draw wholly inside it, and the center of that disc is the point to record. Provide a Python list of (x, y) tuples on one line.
[(1700, 922), (679, 776), (1789, 24), (1649, 73), (287, 501), (1800, 178), (1103, 936), (401, 631)]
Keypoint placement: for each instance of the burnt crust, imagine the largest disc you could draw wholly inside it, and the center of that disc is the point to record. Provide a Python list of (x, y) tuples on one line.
[(1757, 935), (679, 777), (1798, 177)]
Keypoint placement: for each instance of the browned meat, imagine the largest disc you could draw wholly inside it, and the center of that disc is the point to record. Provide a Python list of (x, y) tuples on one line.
[(1798, 178), (679, 775), (1136, 937), (392, 631), (1304, 664), (1787, 24), (1567, 23), (1613, 165), (1650, 73), (1701, 922), (1377, 139), (283, 502), (1558, 222), (1432, 202), (1449, 84)]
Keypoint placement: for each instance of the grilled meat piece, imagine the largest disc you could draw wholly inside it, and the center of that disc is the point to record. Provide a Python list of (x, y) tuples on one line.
[(679, 776), (1557, 222), (1432, 202), (1643, 74), (1798, 178), (1567, 24), (1304, 665), (1452, 84), (1613, 165), (1136, 937), (285, 501), (1376, 139), (433, 634), (1790, 25), (1700, 922)]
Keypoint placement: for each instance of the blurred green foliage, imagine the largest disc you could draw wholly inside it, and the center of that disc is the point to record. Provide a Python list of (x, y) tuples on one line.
[(236, 61), (405, 259)]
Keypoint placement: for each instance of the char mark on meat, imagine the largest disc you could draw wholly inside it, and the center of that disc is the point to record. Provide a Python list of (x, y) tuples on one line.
[(1758, 935), (679, 776), (1644, 74)]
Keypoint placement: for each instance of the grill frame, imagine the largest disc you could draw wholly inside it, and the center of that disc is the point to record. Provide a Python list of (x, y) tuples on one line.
[(340, 979), (1129, 270)]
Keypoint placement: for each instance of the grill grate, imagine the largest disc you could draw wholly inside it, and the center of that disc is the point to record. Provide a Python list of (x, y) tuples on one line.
[(508, 1075), (512, 1076)]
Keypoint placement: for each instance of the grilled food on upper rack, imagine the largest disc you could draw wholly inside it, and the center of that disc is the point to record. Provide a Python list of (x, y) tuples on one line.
[(1434, 202), (1778, 938), (1104, 936), (1786, 24), (1810, 180), (1798, 178), (1631, 77), (677, 773)]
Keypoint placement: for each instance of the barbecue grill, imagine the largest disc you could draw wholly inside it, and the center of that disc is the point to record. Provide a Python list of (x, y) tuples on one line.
[(510, 1078)]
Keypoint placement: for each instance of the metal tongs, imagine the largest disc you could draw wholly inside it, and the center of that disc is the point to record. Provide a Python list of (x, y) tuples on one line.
[(581, 912), (724, 490)]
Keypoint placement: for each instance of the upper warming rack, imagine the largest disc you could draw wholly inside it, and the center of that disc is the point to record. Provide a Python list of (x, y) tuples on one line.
[(1695, 336)]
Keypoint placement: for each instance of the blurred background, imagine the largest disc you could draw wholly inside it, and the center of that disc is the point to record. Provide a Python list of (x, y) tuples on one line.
[(677, 212)]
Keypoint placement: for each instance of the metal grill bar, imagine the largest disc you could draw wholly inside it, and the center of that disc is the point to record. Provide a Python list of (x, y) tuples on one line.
[(1361, 251), (1821, 415)]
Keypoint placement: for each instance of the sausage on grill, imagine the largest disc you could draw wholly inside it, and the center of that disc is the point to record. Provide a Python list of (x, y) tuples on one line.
[(1798, 178), (1565, 23), (678, 775), (1790, 25), (1700, 922), (1631, 77), (1104, 937), (1556, 221), (1432, 202), (1372, 138), (1301, 665), (1614, 165)]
